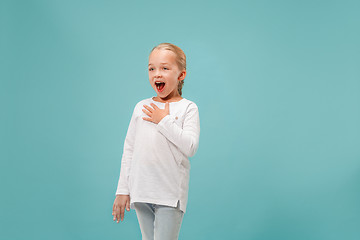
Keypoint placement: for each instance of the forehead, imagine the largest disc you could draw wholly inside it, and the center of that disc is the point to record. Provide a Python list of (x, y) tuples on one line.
[(159, 56)]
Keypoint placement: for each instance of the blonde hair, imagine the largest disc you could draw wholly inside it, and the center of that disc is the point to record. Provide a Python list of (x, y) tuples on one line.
[(180, 58)]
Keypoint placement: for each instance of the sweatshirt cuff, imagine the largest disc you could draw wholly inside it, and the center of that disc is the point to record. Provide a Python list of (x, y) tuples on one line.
[(122, 193)]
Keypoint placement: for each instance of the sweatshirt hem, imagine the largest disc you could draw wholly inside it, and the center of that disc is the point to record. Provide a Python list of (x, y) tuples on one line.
[(171, 203)]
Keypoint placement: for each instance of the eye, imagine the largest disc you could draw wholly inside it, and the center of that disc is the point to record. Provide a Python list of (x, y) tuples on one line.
[(150, 69), (166, 68)]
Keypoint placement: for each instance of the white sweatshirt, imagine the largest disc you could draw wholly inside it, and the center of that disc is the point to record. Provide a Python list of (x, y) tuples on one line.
[(155, 167)]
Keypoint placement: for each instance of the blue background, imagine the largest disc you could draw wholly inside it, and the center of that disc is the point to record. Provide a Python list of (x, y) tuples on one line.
[(277, 84)]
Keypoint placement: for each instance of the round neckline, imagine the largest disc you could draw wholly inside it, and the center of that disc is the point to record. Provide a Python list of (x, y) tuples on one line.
[(169, 102)]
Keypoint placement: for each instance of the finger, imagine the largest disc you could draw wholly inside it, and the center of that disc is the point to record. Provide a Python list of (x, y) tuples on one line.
[(128, 206), (113, 210), (116, 217), (122, 212), (147, 119), (148, 108), (154, 106), (115, 214), (148, 113)]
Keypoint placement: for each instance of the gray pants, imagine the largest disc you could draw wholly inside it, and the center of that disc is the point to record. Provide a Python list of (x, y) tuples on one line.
[(158, 222)]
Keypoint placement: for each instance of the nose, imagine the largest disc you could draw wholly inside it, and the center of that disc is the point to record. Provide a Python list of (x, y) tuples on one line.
[(157, 73)]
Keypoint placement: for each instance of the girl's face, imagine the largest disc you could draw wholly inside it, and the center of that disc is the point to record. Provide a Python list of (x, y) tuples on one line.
[(164, 74)]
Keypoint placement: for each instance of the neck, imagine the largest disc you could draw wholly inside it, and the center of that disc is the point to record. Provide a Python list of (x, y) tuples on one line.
[(167, 99)]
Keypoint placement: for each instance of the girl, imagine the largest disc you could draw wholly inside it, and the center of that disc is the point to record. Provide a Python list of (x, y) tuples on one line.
[(163, 133)]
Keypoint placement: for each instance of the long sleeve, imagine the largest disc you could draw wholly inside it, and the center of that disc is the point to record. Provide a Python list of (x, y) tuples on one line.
[(123, 187), (186, 138)]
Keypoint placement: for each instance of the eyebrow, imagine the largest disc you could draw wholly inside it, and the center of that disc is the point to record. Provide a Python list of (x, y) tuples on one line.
[(160, 63)]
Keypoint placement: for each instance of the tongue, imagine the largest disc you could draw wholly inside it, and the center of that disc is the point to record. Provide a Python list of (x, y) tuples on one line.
[(161, 86)]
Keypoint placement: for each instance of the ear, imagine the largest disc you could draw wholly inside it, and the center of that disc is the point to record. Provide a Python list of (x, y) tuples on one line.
[(182, 75)]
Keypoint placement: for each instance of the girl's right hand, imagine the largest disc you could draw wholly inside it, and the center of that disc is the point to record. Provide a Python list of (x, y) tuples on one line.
[(121, 201)]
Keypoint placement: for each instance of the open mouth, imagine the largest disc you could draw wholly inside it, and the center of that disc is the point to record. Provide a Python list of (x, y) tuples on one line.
[(159, 85)]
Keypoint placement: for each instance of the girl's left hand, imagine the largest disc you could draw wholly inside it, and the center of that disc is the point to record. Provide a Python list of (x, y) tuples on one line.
[(156, 114)]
